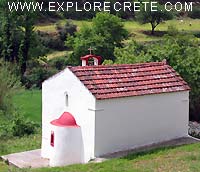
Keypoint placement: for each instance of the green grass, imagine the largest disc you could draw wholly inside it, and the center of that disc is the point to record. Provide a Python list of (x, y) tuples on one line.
[(175, 159), (52, 26), (14, 145), (57, 54), (30, 104), (136, 28)]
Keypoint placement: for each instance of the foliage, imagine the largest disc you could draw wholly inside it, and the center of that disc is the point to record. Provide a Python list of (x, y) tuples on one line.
[(18, 126), (41, 69), (106, 33), (38, 47), (110, 27), (68, 29), (59, 63), (8, 86), (107, 62), (56, 40), (11, 34), (195, 13), (51, 41), (28, 20), (33, 78), (132, 53), (153, 17), (22, 126), (172, 30), (11, 123), (16, 42)]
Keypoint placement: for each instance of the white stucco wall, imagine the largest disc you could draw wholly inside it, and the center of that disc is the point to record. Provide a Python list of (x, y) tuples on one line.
[(72, 152), (124, 123), (80, 103)]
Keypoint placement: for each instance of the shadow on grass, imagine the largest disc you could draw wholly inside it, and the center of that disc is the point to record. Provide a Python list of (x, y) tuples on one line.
[(132, 156), (156, 33)]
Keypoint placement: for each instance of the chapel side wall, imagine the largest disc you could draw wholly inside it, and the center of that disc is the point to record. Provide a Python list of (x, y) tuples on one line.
[(124, 123), (80, 100)]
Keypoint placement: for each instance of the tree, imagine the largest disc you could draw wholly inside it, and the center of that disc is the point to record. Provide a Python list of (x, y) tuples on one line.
[(16, 34), (104, 35), (153, 17), (133, 52), (28, 19), (10, 33), (110, 27)]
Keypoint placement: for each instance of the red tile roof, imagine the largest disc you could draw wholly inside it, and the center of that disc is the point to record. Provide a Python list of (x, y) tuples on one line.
[(113, 81)]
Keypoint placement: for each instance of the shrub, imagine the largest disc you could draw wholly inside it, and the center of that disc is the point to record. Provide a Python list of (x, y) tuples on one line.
[(51, 40), (197, 34), (195, 13), (34, 78), (172, 30), (8, 86), (17, 126), (68, 29), (21, 126), (11, 123), (58, 63)]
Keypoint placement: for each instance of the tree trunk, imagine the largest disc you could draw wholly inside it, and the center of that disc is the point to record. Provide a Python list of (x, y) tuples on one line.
[(152, 29), (26, 45)]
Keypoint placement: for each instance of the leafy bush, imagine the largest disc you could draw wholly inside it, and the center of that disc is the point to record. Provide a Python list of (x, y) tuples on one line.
[(34, 78), (195, 13), (58, 63), (8, 86), (132, 53), (16, 126), (68, 29), (38, 47), (22, 126), (197, 34), (11, 123), (172, 30), (51, 40)]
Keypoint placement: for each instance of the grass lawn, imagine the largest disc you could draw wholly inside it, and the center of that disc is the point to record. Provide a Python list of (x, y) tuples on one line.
[(30, 104), (57, 54), (136, 28), (174, 159), (14, 145), (52, 26)]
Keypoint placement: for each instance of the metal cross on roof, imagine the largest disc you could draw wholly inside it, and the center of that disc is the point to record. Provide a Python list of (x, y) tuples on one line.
[(90, 49)]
